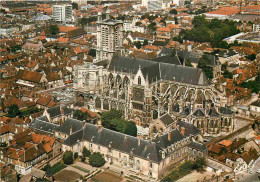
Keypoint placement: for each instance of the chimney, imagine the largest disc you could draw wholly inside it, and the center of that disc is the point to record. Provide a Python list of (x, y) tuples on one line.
[(183, 131), (169, 136), (139, 141), (99, 128), (83, 123), (71, 130)]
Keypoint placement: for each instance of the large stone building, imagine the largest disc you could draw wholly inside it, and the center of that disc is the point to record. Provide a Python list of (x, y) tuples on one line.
[(131, 154), (147, 89), (109, 38)]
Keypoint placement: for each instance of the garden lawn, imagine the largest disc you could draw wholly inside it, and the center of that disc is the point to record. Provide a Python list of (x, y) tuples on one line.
[(179, 172), (57, 167)]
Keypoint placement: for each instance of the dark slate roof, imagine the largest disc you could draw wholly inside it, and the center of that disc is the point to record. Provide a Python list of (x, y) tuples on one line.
[(156, 71), (163, 141), (213, 112), (43, 118), (54, 111), (165, 51), (76, 125), (167, 119), (42, 125), (198, 146), (256, 103), (128, 144), (190, 129), (57, 111), (198, 113), (74, 138), (167, 59), (225, 110)]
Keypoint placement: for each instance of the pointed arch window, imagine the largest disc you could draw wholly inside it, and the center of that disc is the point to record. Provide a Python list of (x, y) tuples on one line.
[(139, 80)]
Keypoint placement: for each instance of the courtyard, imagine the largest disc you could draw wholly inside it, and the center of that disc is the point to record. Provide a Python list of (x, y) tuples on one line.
[(106, 176)]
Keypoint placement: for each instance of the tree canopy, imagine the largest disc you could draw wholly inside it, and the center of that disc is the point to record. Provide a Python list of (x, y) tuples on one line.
[(78, 114), (138, 44), (92, 52), (68, 157), (106, 117), (14, 111), (204, 65), (86, 152), (96, 160), (113, 121), (54, 29), (214, 31), (75, 6)]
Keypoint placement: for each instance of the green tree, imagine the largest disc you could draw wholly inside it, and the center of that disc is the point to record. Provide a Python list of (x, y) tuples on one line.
[(92, 52), (83, 159), (54, 29), (79, 115), (106, 117), (75, 6), (76, 155), (130, 129), (204, 65), (14, 111), (138, 44), (251, 57), (145, 42), (199, 164), (199, 21), (174, 11), (138, 23), (96, 160), (227, 74), (124, 126), (86, 152), (68, 157), (152, 27)]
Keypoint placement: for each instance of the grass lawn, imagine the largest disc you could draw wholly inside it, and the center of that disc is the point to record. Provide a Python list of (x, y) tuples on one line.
[(57, 167), (81, 169), (179, 172)]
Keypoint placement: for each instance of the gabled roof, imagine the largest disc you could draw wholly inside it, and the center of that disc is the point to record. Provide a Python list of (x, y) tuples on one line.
[(44, 125), (198, 113), (128, 144), (69, 124), (225, 110), (30, 76), (59, 110), (156, 71), (197, 146), (166, 119), (190, 129)]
